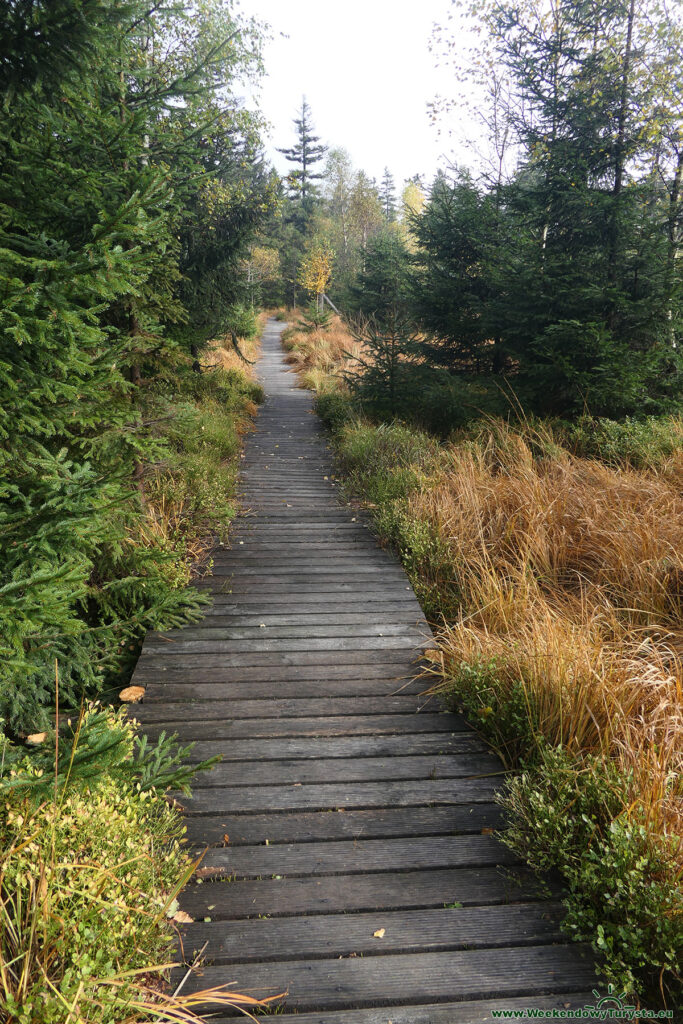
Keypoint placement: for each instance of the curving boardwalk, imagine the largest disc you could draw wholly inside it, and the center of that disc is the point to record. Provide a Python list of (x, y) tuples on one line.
[(351, 858)]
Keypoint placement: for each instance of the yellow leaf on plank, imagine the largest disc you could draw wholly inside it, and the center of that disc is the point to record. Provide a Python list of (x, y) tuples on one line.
[(379, 934), (182, 918), (132, 694)]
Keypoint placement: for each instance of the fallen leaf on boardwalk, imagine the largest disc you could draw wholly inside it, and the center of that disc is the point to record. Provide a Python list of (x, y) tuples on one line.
[(262, 625), (226, 838), (209, 872), (36, 738), (132, 694), (182, 918), (487, 831), (379, 934)]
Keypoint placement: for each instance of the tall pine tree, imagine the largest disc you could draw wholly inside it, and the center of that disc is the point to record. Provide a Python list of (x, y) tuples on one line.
[(387, 196), (306, 152)]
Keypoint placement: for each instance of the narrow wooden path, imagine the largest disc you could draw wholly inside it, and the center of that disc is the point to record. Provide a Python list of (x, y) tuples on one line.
[(351, 856)]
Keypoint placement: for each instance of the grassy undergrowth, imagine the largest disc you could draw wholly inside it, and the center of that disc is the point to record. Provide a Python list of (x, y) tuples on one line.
[(92, 861), (551, 556), (91, 854)]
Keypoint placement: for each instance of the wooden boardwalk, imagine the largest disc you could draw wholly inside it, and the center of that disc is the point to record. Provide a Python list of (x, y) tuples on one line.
[(351, 856)]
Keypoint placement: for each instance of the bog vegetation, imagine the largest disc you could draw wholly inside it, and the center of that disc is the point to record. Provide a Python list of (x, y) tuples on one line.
[(503, 385)]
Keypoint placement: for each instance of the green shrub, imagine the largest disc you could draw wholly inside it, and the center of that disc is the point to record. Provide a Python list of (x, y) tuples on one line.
[(423, 553), (366, 449), (504, 718), (643, 444), (90, 861), (97, 745), (335, 409), (314, 319), (577, 817), (242, 320)]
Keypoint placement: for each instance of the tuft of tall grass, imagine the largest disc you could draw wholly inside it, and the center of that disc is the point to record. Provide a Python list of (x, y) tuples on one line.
[(570, 574), (321, 357)]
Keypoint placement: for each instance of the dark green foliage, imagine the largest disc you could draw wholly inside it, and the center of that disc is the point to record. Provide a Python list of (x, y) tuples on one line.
[(643, 444), (44, 40), (505, 718), (306, 152), (96, 745), (335, 409), (128, 191), (383, 288), (314, 318), (387, 196), (556, 283)]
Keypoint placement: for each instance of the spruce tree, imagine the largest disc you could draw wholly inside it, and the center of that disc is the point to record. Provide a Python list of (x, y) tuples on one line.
[(387, 196), (100, 156), (306, 152)]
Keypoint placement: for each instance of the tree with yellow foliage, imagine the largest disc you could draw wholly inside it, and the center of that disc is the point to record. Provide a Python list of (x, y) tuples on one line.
[(315, 271)]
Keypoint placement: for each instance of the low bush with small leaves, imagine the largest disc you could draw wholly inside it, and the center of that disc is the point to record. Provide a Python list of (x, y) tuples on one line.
[(91, 861), (644, 444), (577, 816)]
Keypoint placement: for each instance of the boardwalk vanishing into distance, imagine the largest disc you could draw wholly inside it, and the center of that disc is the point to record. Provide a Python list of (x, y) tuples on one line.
[(352, 861)]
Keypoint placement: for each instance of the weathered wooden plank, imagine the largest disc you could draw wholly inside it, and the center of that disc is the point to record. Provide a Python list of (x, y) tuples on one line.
[(176, 688), (300, 860), (315, 826), (255, 728), (464, 1012), (353, 575), (338, 593), (283, 897), (330, 747), (423, 977), (365, 563), (307, 707), (286, 657), (361, 769), (408, 640), (325, 796), (324, 656), (394, 671), (386, 614), (208, 632), (405, 931)]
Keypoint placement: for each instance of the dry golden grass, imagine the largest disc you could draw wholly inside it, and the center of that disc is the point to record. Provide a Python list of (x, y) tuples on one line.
[(571, 579), (321, 357), (222, 352)]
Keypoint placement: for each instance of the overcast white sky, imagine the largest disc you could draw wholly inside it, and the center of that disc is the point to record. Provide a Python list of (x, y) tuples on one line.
[(367, 73)]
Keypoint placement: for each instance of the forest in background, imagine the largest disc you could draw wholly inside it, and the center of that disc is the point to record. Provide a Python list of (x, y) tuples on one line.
[(551, 277)]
